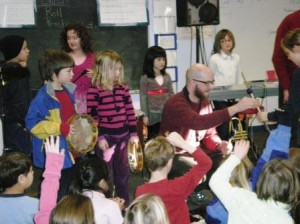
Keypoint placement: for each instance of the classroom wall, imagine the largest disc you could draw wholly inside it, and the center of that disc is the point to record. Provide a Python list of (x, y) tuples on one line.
[(253, 23)]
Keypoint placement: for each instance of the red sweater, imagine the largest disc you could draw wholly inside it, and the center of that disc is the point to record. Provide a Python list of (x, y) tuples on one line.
[(174, 192), (283, 66), (182, 116), (67, 110)]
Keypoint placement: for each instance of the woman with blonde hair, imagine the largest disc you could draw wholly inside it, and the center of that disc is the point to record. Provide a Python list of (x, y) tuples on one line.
[(147, 209)]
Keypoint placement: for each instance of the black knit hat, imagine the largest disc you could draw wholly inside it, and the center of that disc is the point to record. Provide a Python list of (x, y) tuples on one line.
[(11, 46)]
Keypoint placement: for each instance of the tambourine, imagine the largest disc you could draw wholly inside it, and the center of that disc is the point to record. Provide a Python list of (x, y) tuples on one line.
[(86, 134), (135, 157)]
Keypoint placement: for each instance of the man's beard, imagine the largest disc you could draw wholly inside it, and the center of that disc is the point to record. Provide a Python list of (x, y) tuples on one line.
[(199, 94)]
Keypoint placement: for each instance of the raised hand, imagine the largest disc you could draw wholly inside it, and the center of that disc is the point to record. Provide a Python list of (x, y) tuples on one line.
[(52, 145)]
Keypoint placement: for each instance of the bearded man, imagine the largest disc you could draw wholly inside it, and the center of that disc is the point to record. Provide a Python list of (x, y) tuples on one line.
[(190, 113)]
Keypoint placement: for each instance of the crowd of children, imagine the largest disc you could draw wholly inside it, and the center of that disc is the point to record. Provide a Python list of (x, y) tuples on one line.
[(81, 190)]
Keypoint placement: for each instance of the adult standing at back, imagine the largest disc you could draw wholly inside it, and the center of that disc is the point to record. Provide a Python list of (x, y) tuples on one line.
[(76, 40), (283, 66)]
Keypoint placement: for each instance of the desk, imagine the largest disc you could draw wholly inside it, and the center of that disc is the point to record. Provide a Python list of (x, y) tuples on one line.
[(260, 90)]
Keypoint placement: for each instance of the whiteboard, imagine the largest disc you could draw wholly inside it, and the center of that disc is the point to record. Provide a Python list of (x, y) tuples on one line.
[(254, 24)]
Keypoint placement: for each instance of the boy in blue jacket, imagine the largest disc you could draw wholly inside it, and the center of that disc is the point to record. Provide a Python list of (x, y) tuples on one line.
[(51, 109)]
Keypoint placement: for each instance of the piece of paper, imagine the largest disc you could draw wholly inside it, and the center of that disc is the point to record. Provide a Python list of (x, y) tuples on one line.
[(122, 12), (17, 13), (166, 41)]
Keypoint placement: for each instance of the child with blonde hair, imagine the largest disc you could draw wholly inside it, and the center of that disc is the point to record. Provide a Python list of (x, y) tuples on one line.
[(109, 103), (147, 209), (277, 190)]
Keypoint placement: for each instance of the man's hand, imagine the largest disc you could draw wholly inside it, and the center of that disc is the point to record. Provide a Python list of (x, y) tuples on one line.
[(244, 104)]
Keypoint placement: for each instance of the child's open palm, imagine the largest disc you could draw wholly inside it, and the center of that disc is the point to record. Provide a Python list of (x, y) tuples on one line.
[(52, 145)]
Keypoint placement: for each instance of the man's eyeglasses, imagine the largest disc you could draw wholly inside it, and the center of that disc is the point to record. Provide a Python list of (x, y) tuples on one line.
[(206, 83)]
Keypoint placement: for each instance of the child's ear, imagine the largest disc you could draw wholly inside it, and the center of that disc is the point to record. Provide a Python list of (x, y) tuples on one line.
[(21, 179), (54, 76), (103, 185)]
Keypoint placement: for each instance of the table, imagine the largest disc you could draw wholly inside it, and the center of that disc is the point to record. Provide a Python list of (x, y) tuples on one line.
[(259, 89)]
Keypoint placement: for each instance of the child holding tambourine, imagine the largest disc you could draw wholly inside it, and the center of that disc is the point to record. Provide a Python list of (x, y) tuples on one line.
[(109, 103)]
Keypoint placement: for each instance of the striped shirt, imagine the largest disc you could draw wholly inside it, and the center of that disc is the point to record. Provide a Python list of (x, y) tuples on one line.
[(112, 110)]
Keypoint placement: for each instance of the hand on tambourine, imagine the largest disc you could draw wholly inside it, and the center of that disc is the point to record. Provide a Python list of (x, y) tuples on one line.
[(72, 129), (103, 145), (120, 202), (134, 140)]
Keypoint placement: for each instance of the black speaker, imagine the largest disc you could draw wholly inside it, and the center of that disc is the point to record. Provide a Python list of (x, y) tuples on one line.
[(197, 12)]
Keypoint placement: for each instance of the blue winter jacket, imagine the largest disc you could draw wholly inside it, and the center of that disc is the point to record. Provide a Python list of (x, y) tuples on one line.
[(43, 119)]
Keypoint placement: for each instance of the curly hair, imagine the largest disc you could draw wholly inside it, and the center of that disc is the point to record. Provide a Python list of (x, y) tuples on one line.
[(82, 32)]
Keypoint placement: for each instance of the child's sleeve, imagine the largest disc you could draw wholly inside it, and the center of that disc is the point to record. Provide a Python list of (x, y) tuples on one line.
[(192, 178), (277, 146), (170, 85), (42, 122), (49, 187), (143, 95), (130, 112), (92, 104)]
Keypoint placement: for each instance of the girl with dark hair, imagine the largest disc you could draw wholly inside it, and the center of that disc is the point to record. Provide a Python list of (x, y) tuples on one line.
[(76, 40), (92, 182), (155, 88)]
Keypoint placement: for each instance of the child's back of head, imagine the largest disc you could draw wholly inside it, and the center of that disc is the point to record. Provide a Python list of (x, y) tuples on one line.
[(240, 176), (279, 181), (92, 170), (294, 157), (147, 209), (12, 165), (52, 61), (158, 152), (73, 209)]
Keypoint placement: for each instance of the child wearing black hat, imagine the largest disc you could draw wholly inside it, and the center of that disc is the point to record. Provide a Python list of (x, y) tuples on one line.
[(15, 92)]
